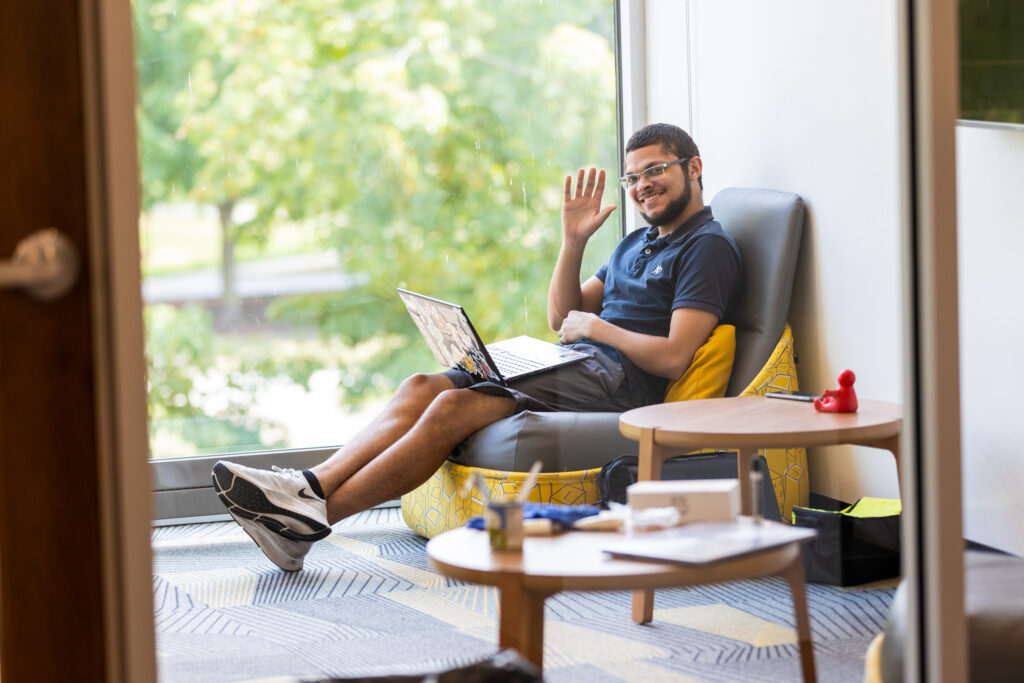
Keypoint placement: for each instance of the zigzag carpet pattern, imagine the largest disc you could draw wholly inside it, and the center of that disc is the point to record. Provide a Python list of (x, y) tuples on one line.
[(368, 604)]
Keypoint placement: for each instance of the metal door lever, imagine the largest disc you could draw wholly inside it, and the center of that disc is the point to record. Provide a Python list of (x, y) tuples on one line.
[(45, 264)]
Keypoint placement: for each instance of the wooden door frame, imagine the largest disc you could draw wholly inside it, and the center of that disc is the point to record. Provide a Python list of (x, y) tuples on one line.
[(76, 568), (936, 644)]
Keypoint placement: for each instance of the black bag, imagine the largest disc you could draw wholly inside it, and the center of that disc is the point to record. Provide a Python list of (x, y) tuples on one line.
[(615, 476), (856, 545)]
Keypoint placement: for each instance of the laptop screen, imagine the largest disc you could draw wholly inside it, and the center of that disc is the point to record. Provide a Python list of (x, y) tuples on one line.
[(450, 335)]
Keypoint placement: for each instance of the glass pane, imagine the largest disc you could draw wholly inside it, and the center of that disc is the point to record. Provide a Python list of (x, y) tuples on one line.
[(302, 159), (990, 247), (992, 60)]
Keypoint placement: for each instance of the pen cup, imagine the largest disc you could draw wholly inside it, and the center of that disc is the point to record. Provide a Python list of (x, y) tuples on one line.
[(504, 522)]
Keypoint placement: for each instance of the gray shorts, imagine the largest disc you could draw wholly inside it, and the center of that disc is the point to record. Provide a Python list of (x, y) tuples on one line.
[(596, 384)]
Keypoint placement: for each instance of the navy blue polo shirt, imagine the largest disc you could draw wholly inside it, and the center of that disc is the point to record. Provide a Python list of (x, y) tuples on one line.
[(697, 265)]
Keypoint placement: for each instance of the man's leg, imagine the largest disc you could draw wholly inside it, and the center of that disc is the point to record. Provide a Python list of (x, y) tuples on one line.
[(284, 511), (413, 397), (412, 459)]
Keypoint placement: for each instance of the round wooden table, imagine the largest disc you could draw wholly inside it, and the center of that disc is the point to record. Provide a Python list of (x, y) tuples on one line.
[(575, 561), (746, 424)]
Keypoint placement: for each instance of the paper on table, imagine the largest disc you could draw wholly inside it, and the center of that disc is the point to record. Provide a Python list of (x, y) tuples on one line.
[(708, 542)]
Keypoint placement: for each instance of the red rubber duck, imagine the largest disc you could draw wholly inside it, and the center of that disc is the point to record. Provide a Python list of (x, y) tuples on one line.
[(841, 400)]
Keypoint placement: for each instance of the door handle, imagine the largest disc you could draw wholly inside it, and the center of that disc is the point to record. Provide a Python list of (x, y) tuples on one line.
[(45, 265)]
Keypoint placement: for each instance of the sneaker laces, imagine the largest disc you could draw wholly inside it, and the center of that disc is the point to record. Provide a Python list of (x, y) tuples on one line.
[(295, 475)]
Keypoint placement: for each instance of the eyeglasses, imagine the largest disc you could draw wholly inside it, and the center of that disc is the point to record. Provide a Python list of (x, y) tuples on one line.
[(631, 179)]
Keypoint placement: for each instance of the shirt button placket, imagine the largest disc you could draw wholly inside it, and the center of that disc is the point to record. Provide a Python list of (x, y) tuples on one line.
[(640, 262)]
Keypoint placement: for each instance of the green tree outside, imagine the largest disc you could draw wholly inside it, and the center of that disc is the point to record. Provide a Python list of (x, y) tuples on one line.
[(425, 142)]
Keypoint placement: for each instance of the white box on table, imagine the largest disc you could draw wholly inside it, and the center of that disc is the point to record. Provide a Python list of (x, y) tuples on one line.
[(697, 500)]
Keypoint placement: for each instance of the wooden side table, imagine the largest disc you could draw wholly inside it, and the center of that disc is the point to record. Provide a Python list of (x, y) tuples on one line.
[(575, 561), (746, 424)]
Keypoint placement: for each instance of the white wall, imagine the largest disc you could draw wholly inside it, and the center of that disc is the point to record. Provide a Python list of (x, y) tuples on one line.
[(990, 179), (803, 96)]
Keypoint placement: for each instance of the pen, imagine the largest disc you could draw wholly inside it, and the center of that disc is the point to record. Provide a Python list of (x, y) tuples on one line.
[(476, 481), (531, 480)]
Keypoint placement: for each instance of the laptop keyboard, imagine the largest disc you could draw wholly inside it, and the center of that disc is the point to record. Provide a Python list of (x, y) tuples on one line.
[(512, 364)]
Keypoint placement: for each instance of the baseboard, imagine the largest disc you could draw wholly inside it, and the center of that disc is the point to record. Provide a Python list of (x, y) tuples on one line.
[(224, 517), (974, 545)]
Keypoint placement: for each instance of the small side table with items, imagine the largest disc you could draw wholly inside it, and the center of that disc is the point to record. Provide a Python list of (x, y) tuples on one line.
[(580, 561), (746, 424)]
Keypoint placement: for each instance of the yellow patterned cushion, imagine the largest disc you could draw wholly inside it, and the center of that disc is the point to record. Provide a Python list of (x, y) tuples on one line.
[(437, 504), (710, 369), (787, 466)]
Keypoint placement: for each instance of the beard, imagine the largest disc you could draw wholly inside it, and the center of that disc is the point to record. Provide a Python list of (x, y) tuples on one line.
[(674, 210)]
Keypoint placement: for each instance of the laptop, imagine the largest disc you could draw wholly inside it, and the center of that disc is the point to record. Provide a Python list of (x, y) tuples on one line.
[(453, 339)]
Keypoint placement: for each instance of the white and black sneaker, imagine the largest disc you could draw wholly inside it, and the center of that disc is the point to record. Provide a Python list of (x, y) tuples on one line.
[(280, 501), (285, 553)]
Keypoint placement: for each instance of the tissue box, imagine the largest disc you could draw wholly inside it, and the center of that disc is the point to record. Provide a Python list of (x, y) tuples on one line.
[(698, 500)]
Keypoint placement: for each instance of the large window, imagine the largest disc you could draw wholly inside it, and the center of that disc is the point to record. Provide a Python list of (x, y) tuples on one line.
[(303, 158)]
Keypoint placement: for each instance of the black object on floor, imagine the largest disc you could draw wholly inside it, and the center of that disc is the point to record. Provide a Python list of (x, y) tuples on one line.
[(851, 548), (507, 666), (617, 475)]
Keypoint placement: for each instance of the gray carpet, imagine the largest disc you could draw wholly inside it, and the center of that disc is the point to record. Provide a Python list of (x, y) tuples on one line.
[(368, 603)]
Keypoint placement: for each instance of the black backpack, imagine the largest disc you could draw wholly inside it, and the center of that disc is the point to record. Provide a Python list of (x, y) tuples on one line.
[(621, 472)]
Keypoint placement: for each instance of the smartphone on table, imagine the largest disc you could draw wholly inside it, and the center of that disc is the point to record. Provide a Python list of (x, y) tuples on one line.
[(795, 396)]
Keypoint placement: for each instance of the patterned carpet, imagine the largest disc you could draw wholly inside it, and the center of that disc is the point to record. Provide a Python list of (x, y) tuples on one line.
[(368, 603)]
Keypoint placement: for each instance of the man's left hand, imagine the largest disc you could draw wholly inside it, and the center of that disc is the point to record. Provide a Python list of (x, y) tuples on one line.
[(576, 326)]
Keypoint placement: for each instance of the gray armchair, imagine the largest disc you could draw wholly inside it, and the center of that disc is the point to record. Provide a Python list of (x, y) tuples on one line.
[(767, 226)]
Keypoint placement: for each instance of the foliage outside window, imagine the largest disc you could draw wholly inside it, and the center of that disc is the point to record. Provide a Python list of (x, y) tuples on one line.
[(992, 60), (303, 158)]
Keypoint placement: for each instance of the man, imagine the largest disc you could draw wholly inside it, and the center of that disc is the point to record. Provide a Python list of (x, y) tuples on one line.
[(639, 320)]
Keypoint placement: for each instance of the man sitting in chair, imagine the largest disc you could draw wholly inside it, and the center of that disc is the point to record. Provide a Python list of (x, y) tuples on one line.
[(639, 319)]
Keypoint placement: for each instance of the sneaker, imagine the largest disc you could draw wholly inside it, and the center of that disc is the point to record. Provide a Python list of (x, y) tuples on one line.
[(278, 500), (285, 553)]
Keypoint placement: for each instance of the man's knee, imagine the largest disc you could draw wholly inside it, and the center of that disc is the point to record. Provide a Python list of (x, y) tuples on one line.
[(424, 385), (456, 404)]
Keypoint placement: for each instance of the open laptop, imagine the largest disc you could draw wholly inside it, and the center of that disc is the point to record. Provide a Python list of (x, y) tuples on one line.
[(455, 343)]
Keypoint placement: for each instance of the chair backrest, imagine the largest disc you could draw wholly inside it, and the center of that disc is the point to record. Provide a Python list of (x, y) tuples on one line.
[(767, 226)]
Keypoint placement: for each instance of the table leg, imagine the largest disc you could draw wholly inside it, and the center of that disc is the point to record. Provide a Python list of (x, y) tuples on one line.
[(744, 459), (794, 576), (891, 444), (521, 622), (650, 458), (643, 606)]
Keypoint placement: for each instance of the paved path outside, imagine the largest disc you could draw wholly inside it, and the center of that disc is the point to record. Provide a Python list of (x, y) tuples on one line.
[(299, 274)]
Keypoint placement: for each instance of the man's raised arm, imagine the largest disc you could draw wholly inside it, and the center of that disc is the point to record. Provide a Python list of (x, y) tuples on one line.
[(582, 215)]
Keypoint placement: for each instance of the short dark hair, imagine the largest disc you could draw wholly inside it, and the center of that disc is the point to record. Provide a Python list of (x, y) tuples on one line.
[(673, 138)]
